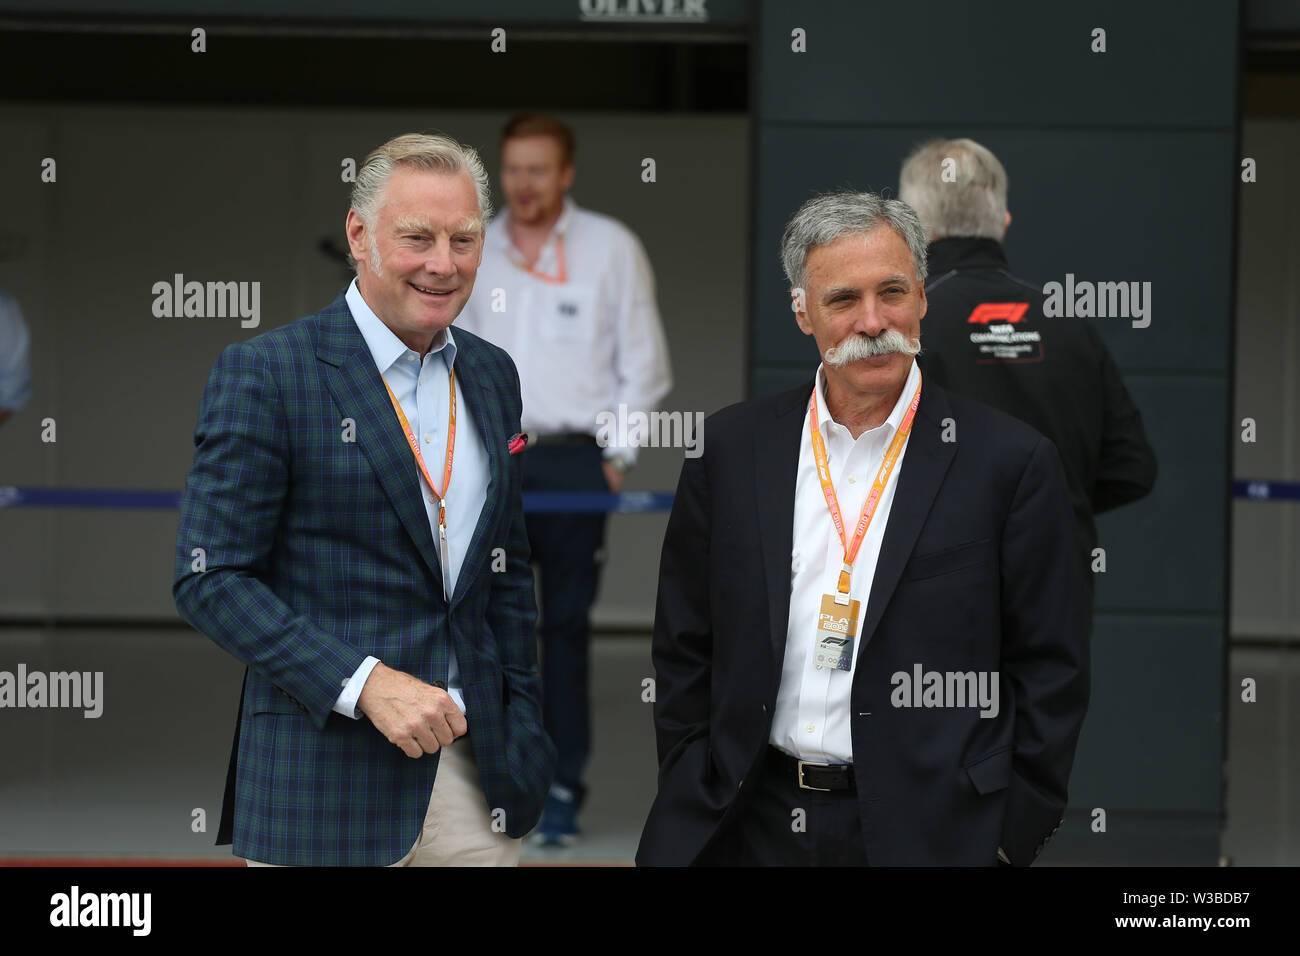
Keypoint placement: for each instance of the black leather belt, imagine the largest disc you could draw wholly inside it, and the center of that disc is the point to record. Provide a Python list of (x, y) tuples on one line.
[(562, 438), (811, 776)]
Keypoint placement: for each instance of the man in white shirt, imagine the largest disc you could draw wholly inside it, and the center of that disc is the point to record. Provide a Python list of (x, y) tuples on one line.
[(870, 642), (569, 294)]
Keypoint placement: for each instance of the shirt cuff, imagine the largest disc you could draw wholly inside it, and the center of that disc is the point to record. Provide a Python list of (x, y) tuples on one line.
[(347, 702)]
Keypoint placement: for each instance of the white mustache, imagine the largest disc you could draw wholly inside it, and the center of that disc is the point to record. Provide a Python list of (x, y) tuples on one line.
[(859, 346)]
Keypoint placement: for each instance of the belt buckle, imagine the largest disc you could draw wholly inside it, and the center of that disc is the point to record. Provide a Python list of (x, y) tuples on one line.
[(805, 786)]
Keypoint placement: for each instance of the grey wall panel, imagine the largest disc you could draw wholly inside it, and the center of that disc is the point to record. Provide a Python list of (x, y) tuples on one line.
[(106, 565), (1016, 62), (1154, 731), (1265, 580), (1166, 552), (770, 379)]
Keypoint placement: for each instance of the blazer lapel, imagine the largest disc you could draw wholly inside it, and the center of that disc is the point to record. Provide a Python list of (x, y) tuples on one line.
[(354, 381), (776, 456), (485, 410), (924, 465)]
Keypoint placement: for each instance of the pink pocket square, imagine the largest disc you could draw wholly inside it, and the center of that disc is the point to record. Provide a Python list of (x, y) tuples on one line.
[(518, 442)]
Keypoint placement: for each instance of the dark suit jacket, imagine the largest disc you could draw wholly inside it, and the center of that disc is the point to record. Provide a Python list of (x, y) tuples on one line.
[(318, 553), (978, 571)]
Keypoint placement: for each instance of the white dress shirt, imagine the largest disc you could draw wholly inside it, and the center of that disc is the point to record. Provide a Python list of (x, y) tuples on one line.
[(421, 389), (584, 346), (812, 716)]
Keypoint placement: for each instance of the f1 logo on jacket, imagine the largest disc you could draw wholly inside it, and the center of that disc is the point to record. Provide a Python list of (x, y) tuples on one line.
[(987, 312)]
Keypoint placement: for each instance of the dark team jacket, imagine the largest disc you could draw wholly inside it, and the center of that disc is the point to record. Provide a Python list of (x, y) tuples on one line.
[(985, 336)]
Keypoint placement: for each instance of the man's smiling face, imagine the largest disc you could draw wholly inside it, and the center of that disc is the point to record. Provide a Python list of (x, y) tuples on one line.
[(416, 269), (863, 285)]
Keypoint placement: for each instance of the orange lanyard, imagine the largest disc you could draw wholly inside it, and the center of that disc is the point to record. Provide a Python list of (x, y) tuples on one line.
[(451, 447), (877, 487), (561, 275)]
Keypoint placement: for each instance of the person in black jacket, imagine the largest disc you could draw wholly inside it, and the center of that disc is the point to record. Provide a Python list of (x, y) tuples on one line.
[(803, 605), (987, 337)]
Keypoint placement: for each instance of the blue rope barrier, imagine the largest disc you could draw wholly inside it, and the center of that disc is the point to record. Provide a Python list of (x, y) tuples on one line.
[(535, 502), (1266, 490), (11, 497)]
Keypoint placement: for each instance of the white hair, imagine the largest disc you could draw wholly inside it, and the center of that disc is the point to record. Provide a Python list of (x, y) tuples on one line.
[(957, 187)]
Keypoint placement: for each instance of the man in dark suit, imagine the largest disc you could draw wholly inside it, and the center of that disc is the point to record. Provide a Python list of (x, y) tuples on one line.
[(987, 336), (324, 543), (869, 639)]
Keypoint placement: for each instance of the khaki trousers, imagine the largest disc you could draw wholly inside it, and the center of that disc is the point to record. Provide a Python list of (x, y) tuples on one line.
[(458, 826)]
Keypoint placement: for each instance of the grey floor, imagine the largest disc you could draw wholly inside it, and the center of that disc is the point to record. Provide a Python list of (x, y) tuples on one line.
[(132, 783)]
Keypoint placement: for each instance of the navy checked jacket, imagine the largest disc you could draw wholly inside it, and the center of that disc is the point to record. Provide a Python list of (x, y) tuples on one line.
[(300, 553)]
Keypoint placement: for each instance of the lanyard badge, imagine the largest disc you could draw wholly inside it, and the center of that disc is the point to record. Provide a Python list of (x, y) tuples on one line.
[(837, 620), (837, 624), (446, 474)]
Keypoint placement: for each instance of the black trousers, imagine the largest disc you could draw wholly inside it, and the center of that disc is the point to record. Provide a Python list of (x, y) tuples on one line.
[(778, 823)]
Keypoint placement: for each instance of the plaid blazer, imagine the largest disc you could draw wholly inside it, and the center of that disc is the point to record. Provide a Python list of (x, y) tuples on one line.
[(301, 552)]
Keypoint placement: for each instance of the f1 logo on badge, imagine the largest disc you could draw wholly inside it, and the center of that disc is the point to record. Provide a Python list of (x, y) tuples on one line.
[(987, 312)]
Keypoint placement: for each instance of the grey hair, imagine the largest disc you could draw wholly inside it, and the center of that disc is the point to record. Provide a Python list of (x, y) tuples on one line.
[(971, 202), (427, 151), (830, 216)]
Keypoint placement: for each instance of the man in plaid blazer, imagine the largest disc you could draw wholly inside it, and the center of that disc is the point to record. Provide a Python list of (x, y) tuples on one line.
[(390, 712)]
